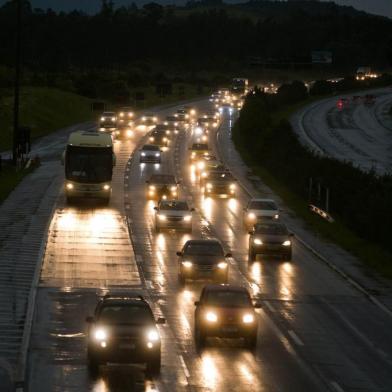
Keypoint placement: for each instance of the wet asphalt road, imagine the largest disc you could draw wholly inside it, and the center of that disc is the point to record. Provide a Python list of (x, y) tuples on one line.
[(315, 332)]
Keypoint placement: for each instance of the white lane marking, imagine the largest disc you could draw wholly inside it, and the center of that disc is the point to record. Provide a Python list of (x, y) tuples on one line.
[(139, 258), (269, 306), (296, 339), (183, 364), (336, 386)]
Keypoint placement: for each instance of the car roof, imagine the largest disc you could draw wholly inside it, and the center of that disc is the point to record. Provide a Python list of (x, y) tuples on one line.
[(172, 202), (202, 241), (225, 287), (108, 113), (200, 146), (150, 146), (163, 178), (262, 199), (270, 225)]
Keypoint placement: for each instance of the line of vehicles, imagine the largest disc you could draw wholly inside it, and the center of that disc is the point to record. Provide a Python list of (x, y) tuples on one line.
[(123, 328)]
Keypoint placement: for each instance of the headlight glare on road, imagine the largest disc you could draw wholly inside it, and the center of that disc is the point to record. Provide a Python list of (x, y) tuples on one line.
[(211, 317), (248, 318), (100, 334), (187, 218), (222, 265), (187, 264), (286, 243), (153, 335), (258, 241), (70, 186)]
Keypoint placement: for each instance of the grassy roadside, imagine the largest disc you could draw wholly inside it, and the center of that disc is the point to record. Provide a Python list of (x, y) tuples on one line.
[(9, 179), (371, 255)]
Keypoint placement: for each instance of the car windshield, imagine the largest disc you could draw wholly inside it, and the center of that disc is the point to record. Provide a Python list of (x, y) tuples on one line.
[(150, 147), (162, 179), (204, 248), (89, 164), (229, 298), (174, 205), (108, 114), (160, 127), (125, 314), (171, 118), (274, 229), (262, 205)]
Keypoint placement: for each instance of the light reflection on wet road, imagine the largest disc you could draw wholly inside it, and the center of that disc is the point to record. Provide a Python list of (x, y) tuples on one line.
[(89, 251)]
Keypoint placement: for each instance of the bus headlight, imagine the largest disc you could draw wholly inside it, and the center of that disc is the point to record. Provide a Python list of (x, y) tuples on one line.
[(248, 318), (152, 335), (187, 264), (106, 187), (222, 265), (187, 218)]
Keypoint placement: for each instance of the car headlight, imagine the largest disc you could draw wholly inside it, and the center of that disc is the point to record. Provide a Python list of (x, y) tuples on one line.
[(193, 112), (209, 185), (143, 154), (121, 114), (200, 165), (100, 334), (187, 264), (151, 139), (113, 118), (155, 119), (276, 216), (173, 188), (248, 318), (211, 317), (193, 154), (187, 218), (129, 133), (157, 154), (130, 114), (165, 139), (70, 186), (153, 335), (162, 217), (222, 265), (286, 243), (143, 118), (102, 118), (106, 187), (152, 187), (251, 215), (258, 241), (232, 186)]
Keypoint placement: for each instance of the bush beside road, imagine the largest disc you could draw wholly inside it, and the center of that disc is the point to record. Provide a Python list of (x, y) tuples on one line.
[(360, 202)]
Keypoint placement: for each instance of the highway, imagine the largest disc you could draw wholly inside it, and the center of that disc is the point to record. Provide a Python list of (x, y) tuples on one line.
[(316, 332), (357, 133)]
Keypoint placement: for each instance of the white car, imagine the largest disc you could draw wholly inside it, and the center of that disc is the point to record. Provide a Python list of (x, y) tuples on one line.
[(173, 214), (260, 210), (150, 153)]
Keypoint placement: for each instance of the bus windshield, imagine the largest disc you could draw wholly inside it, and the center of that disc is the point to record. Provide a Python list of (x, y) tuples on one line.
[(89, 164)]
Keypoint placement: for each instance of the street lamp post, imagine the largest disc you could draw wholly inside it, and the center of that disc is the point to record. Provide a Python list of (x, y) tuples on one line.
[(15, 152)]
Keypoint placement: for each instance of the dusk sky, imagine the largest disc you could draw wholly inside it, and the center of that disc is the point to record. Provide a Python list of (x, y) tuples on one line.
[(380, 7)]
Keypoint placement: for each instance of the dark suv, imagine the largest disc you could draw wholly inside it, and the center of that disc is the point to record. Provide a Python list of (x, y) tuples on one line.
[(225, 311), (123, 330), (270, 239), (203, 259)]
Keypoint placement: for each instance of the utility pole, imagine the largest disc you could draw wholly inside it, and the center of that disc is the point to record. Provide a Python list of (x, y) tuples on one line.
[(15, 135)]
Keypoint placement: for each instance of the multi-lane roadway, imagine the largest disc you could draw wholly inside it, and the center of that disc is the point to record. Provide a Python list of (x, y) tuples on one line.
[(316, 332)]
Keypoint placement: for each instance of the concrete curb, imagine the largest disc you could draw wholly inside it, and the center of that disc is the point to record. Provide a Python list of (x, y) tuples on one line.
[(21, 367)]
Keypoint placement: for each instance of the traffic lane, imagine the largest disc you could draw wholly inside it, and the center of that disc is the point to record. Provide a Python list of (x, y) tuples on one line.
[(349, 310), (160, 267), (60, 332)]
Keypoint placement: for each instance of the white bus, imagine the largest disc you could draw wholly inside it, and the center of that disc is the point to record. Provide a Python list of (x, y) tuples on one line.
[(88, 160)]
